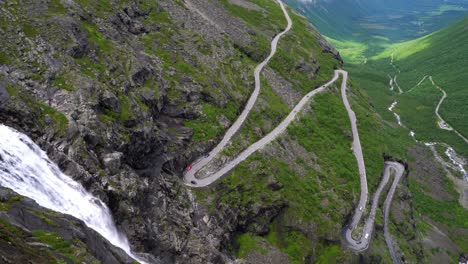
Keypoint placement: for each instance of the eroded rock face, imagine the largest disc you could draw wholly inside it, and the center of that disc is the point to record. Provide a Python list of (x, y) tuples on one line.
[(108, 92), (26, 226)]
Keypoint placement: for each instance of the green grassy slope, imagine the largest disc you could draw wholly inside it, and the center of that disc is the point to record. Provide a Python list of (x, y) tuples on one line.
[(312, 162), (378, 23), (440, 55), (443, 55)]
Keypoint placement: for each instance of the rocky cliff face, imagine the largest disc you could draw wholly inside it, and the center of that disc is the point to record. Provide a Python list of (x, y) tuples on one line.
[(32, 234), (124, 94)]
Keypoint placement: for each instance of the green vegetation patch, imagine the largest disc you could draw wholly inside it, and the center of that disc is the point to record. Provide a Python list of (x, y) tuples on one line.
[(450, 213), (96, 37), (271, 12), (59, 119), (89, 67), (4, 58), (54, 240), (61, 82), (126, 111), (30, 30), (248, 243), (207, 127), (300, 58)]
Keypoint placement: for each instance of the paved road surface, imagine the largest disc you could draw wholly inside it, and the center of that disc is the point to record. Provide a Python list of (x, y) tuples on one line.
[(398, 170), (362, 243), (441, 121), (202, 161), (192, 181), (357, 151)]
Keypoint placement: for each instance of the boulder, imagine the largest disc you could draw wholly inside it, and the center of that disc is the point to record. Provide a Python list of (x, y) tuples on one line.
[(108, 100), (112, 162)]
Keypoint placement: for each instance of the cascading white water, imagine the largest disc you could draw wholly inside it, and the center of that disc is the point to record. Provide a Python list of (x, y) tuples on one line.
[(395, 114), (27, 170), (455, 159)]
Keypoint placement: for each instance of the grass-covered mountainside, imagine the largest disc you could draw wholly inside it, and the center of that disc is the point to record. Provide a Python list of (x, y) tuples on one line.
[(123, 95), (362, 20), (367, 42), (360, 28), (440, 55), (438, 194)]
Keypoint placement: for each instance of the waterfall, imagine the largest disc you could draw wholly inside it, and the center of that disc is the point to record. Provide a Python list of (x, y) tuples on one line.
[(27, 170)]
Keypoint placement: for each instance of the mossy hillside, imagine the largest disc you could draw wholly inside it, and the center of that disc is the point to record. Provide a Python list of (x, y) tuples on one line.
[(440, 55), (301, 59), (268, 112), (16, 246), (5, 206), (324, 131), (415, 107), (447, 213), (166, 43), (47, 115), (271, 12), (417, 111), (298, 47), (13, 239)]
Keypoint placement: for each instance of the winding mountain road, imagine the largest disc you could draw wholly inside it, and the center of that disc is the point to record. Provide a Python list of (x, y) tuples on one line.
[(398, 170), (357, 151), (360, 244), (441, 122), (363, 242), (202, 161), (192, 181)]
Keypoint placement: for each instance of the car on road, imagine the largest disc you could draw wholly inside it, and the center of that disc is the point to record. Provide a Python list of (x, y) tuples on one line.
[(193, 182), (360, 208), (189, 168), (366, 236)]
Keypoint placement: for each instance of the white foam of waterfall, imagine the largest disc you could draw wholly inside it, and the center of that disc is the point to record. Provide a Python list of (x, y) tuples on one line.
[(27, 170)]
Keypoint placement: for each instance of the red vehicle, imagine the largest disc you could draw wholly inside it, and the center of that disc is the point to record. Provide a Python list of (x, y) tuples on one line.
[(188, 168)]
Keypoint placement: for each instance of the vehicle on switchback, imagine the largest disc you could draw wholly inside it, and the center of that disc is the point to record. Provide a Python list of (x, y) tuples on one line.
[(189, 168)]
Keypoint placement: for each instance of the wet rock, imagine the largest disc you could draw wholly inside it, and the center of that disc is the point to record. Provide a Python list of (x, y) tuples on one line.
[(108, 100), (145, 149), (6, 194), (92, 139), (79, 51), (4, 96), (142, 75), (112, 162), (25, 214)]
